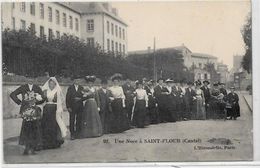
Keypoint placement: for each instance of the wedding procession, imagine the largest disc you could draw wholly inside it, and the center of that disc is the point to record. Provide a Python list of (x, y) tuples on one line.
[(81, 78), (109, 109)]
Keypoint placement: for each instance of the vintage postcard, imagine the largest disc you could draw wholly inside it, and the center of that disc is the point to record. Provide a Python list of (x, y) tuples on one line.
[(127, 81)]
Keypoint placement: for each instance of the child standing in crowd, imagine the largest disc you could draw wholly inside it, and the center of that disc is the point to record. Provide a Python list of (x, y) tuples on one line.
[(141, 103)]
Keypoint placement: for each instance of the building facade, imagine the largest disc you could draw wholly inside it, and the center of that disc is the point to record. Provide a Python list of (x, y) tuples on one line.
[(96, 23), (223, 71), (196, 62)]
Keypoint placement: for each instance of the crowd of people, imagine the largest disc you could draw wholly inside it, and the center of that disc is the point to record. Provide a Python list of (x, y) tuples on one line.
[(94, 111)]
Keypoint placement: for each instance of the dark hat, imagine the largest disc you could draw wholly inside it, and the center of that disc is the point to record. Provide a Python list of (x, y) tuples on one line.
[(104, 81), (169, 81), (206, 81), (160, 79), (221, 83), (198, 83), (90, 78), (216, 84), (116, 76)]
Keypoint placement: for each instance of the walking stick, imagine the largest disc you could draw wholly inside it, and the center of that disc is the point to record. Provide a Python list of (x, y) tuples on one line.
[(133, 110)]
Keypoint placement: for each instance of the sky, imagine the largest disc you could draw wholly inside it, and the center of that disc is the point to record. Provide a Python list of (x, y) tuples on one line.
[(210, 27)]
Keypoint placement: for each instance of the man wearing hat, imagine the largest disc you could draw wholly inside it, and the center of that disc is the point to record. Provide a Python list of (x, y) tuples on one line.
[(153, 115), (129, 98), (159, 94), (74, 103), (206, 92), (104, 106)]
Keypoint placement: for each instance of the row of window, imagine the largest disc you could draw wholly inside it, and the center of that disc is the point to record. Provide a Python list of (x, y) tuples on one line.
[(115, 46), (115, 30), (50, 15), (33, 29)]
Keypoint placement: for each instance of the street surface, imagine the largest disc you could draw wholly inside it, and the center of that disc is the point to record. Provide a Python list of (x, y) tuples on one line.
[(180, 141)]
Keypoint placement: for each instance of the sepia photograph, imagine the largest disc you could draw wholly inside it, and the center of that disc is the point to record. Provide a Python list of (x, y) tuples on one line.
[(126, 82)]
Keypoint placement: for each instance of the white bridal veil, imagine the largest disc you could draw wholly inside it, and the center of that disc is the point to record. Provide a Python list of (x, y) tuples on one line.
[(60, 100)]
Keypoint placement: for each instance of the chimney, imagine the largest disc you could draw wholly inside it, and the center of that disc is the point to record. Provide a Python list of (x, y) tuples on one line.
[(149, 49), (115, 11), (106, 6)]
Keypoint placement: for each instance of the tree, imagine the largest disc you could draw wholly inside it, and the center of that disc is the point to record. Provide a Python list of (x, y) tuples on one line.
[(247, 37), (210, 67), (169, 64), (26, 54)]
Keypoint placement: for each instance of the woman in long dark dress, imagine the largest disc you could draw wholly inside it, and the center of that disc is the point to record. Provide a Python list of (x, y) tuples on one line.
[(214, 109), (233, 101), (90, 123), (141, 103), (53, 128), (119, 122)]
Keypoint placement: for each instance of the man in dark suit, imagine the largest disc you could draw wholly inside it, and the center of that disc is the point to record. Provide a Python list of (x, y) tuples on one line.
[(74, 103), (188, 98), (30, 135), (206, 92), (129, 98), (161, 97), (104, 101)]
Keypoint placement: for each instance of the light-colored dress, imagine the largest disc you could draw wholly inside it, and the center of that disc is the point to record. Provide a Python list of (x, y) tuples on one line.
[(199, 108)]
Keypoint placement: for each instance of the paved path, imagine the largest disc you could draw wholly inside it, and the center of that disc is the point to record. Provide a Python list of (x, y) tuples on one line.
[(95, 150)]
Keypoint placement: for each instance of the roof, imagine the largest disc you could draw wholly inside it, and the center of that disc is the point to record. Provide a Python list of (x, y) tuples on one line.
[(85, 8), (202, 55), (170, 49), (181, 48)]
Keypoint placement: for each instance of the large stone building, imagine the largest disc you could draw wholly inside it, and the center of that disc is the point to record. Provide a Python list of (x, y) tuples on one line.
[(94, 22), (193, 61)]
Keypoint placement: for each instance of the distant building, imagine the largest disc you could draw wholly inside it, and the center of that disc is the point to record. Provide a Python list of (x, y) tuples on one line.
[(223, 71), (237, 60), (95, 22), (194, 61), (241, 78)]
